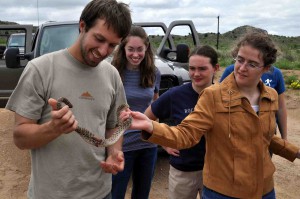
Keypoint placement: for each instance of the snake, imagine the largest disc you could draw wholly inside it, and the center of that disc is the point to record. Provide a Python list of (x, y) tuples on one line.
[(90, 137)]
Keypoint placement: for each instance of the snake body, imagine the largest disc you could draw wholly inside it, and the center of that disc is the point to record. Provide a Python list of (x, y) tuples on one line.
[(91, 138)]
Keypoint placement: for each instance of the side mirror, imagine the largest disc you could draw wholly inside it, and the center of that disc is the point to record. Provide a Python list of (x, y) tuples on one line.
[(164, 53), (182, 53), (12, 58)]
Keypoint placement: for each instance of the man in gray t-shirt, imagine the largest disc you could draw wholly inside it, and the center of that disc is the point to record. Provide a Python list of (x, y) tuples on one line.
[(63, 164)]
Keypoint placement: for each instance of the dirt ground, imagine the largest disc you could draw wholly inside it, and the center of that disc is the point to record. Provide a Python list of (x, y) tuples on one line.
[(15, 163)]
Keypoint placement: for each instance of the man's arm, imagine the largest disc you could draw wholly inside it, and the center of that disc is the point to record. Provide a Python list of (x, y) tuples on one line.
[(115, 147), (114, 162), (30, 135), (282, 116)]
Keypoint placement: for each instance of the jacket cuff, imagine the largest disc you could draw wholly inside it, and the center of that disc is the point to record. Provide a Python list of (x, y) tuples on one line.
[(284, 148)]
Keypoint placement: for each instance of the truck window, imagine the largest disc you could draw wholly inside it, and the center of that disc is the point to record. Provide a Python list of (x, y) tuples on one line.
[(16, 40), (57, 37)]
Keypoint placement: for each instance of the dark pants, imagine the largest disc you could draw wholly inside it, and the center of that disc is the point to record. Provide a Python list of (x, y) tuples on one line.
[(210, 194), (141, 164), (108, 196)]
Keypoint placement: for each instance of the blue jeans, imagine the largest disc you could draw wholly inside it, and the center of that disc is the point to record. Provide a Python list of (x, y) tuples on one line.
[(210, 194), (141, 164)]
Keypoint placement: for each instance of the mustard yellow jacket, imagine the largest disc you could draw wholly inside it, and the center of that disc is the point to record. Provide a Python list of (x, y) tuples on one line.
[(237, 161)]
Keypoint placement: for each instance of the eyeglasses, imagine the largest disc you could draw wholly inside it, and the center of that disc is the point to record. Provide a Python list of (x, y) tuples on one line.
[(251, 65), (138, 50)]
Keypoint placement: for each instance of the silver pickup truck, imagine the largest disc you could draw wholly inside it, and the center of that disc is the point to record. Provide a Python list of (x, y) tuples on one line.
[(171, 57)]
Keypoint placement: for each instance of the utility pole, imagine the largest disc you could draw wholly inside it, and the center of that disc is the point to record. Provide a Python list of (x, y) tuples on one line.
[(218, 33), (37, 10)]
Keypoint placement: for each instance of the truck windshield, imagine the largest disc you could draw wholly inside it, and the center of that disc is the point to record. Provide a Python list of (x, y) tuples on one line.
[(16, 40), (57, 37)]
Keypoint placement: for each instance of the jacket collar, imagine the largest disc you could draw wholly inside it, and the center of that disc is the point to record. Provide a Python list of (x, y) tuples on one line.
[(231, 96)]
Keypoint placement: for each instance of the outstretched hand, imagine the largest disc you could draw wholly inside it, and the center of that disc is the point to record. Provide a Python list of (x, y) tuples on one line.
[(114, 163), (139, 120)]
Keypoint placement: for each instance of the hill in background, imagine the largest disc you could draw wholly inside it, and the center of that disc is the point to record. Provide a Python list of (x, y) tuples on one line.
[(227, 39), (7, 23), (289, 47)]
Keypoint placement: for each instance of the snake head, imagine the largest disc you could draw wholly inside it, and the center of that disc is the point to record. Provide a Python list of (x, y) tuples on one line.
[(65, 101)]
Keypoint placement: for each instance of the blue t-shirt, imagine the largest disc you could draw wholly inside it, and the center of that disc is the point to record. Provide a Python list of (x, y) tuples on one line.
[(272, 78), (138, 99), (176, 104)]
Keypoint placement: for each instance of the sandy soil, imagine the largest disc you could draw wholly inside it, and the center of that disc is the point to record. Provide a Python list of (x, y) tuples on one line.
[(15, 163)]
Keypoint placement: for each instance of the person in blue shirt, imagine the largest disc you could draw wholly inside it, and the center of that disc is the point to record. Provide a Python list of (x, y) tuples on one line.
[(134, 60), (274, 79), (185, 175)]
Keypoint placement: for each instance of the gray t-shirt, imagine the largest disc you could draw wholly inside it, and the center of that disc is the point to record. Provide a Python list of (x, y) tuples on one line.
[(68, 167)]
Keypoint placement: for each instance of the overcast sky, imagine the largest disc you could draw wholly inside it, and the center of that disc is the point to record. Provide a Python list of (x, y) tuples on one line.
[(276, 16)]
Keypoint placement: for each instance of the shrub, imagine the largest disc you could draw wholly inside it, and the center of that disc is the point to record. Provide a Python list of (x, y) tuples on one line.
[(290, 79), (295, 84)]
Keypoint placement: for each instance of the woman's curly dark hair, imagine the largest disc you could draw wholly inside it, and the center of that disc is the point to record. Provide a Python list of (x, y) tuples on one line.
[(260, 41)]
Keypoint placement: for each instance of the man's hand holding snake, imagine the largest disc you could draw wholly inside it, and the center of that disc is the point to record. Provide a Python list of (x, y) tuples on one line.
[(63, 120), (69, 122)]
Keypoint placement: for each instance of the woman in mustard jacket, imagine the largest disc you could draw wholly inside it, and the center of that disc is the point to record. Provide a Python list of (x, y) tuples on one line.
[(237, 118)]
